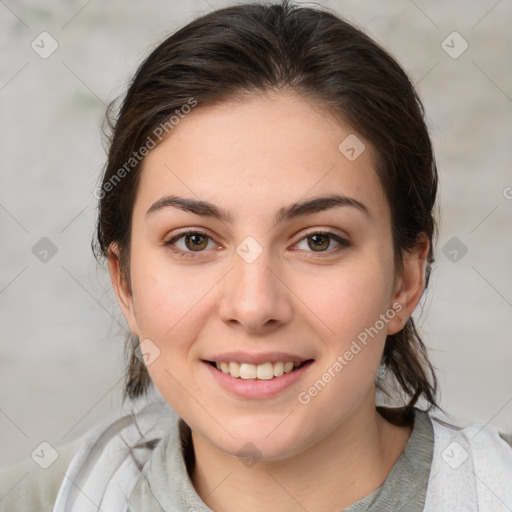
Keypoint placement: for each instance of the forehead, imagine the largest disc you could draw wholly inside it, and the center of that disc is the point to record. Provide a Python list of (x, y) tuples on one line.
[(261, 153)]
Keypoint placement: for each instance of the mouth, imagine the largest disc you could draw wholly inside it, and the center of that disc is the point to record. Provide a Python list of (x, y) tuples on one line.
[(265, 371)]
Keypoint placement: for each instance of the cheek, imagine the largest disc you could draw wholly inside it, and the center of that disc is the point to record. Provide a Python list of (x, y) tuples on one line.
[(171, 306), (165, 294), (350, 297), (170, 303), (350, 312), (350, 305)]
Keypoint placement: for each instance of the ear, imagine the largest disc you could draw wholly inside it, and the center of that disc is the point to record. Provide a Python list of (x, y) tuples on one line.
[(410, 284), (121, 288)]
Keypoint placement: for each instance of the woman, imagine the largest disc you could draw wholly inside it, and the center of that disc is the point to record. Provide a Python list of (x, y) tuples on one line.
[(267, 216)]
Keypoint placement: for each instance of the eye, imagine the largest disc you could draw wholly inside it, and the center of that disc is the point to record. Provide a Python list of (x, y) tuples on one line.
[(197, 241), (319, 241), (194, 241)]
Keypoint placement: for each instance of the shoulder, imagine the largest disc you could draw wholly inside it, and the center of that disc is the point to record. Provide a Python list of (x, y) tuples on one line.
[(483, 442), (111, 457), (475, 462), (104, 464), (28, 486)]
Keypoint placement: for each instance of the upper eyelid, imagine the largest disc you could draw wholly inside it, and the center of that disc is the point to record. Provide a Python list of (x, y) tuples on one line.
[(185, 232), (312, 231)]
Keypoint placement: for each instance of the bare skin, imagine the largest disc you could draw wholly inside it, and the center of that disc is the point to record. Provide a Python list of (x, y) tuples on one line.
[(252, 159)]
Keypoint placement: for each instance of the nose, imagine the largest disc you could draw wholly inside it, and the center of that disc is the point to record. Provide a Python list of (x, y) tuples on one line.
[(255, 296)]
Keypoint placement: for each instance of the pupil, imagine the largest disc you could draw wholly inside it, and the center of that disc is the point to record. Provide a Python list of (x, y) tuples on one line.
[(319, 244)]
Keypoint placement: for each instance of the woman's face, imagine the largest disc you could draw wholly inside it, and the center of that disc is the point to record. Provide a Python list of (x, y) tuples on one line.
[(262, 284)]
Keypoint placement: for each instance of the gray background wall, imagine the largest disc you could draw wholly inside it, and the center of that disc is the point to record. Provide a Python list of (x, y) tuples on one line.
[(60, 348)]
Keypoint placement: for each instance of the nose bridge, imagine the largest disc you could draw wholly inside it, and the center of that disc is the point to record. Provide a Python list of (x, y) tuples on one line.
[(254, 294), (252, 275)]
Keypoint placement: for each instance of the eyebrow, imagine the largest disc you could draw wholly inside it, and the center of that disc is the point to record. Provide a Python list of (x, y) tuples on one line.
[(299, 209)]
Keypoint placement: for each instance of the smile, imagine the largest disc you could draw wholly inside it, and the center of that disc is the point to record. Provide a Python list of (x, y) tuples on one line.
[(264, 371), (263, 380)]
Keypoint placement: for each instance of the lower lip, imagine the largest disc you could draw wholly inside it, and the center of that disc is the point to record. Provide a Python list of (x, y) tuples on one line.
[(255, 388)]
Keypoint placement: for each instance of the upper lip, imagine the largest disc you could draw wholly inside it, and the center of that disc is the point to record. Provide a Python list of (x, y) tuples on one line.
[(245, 357)]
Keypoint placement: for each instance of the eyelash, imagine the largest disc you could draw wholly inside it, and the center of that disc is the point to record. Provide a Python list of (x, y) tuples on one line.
[(190, 254)]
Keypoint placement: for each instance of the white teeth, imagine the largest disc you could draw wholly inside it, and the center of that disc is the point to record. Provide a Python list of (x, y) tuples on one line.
[(248, 371), (264, 371), (278, 369), (234, 369)]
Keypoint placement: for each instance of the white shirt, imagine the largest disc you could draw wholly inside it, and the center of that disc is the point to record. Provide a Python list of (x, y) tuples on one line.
[(471, 468)]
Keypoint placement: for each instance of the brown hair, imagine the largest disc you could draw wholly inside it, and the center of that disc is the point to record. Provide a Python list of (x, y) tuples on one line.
[(258, 48)]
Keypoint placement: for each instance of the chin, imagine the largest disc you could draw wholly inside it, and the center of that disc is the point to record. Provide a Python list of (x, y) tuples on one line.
[(263, 440)]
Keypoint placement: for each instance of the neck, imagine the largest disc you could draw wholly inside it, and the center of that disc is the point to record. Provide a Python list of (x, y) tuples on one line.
[(349, 463)]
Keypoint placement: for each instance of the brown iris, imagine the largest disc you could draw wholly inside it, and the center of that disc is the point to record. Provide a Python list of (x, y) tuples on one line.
[(196, 241), (317, 245)]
